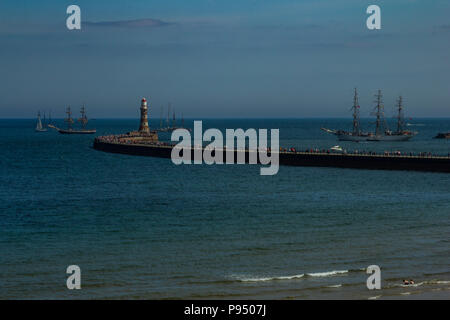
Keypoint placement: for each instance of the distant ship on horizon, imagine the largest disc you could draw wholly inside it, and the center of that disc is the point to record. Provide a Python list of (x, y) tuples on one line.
[(39, 126), (382, 133), (170, 127), (70, 130), (442, 135)]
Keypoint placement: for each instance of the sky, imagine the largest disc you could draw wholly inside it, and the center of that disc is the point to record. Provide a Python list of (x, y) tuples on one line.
[(224, 58)]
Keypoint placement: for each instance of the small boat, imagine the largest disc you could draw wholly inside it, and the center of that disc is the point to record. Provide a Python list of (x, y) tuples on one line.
[(337, 149), (39, 127), (442, 135)]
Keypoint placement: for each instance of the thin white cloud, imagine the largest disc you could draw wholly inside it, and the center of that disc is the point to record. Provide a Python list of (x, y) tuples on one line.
[(138, 23)]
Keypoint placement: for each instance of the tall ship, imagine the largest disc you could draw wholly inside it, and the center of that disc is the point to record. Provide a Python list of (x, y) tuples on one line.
[(356, 134), (170, 126), (382, 133), (39, 126), (69, 120)]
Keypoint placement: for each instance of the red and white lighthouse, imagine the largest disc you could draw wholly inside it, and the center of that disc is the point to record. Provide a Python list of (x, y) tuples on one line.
[(143, 127)]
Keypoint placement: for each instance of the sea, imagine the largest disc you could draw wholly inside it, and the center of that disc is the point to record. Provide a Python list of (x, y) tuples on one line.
[(145, 228)]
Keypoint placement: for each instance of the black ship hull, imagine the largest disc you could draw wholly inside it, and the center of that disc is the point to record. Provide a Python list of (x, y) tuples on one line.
[(63, 131)]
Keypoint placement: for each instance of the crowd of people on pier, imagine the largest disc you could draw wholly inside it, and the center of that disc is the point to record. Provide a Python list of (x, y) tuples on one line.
[(364, 153), (131, 139), (128, 139)]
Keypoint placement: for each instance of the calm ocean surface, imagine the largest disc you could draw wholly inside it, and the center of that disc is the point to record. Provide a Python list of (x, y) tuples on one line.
[(143, 228)]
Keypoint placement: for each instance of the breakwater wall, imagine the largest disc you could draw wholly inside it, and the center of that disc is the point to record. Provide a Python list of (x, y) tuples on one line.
[(306, 159)]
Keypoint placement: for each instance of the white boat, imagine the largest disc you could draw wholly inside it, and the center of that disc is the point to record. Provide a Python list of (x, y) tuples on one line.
[(337, 149), (39, 127)]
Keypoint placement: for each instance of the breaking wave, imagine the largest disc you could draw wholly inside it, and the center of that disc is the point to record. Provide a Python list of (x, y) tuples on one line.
[(429, 282), (296, 276), (327, 274), (440, 282), (408, 285)]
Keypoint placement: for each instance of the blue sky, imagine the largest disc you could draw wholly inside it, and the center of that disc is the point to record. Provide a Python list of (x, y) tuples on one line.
[(210, 58)]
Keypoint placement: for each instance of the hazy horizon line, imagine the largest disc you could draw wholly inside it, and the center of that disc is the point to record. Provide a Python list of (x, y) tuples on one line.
[(231, 118)]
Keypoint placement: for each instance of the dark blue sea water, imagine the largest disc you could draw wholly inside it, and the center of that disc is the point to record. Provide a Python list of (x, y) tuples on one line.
[(143, 228)]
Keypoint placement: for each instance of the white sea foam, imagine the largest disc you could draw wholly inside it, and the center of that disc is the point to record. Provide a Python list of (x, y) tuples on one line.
[(297, 276), (409, 285), (327, 274), (335, 286), (373, 298), (414, 285), (420, 283)]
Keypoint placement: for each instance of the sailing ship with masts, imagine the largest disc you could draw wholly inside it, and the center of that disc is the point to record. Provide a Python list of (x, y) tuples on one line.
[(170, 126), (70, 122), (382, 132), (39, 126), (356, 134)]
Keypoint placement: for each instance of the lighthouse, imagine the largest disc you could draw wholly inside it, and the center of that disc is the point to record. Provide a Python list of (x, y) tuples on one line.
[(143, 127)]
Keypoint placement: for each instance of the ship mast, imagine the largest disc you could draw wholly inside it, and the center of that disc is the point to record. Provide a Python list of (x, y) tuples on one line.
[(379, 113), (355, 108), (83, 120), (173, 119), (168, 115), (69, 119), (400, 117)]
